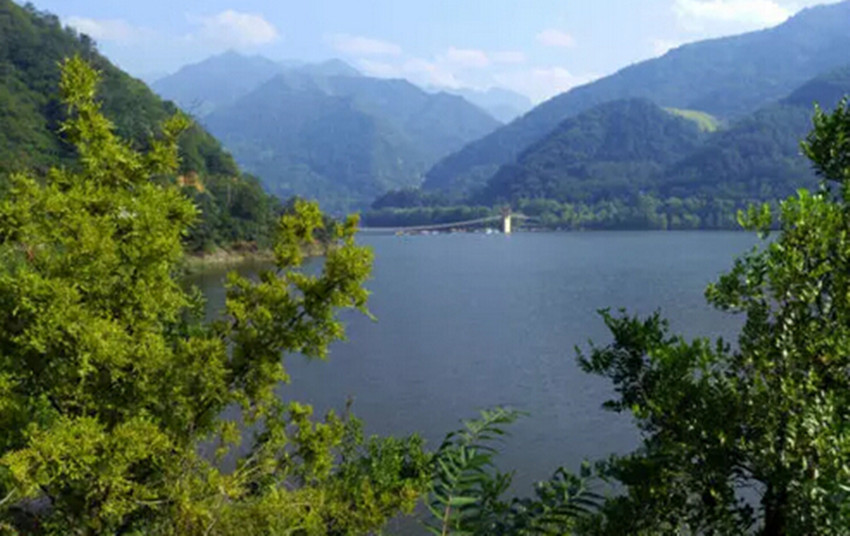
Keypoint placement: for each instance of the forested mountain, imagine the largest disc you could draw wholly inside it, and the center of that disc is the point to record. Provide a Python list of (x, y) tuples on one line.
[(616, 149), (32, 45), (221, 80), (632, 164), (727, 77), (758, 157), (202, 87), (621, 149), (343, 139)]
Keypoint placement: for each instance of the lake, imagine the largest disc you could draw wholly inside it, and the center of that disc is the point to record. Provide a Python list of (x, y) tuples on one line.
[(470, 321)]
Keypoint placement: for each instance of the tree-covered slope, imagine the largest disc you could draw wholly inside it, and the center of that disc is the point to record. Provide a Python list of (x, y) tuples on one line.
[(613, 150), (32, 45), (437, 123), (343, 139), (620, 149), (630, 164), (759, 157), (727, 77), (303, 141)]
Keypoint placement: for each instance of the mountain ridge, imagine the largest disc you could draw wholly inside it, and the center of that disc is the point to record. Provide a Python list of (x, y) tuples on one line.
[(613, 149), (379, 134), (726, 77), (755, 158)]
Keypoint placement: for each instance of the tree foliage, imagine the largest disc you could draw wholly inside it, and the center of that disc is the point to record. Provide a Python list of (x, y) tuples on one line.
[(753, 437), (467, 492), (114, 392)]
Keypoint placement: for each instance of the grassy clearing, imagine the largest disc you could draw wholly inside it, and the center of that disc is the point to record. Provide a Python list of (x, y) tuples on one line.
[(706, 122)]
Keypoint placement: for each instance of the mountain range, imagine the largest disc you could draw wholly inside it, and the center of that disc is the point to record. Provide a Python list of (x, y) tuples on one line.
[(728, 78), (677, 141), (621, 148), (325, 131), (503, 104), (612, 150), (632, 164)]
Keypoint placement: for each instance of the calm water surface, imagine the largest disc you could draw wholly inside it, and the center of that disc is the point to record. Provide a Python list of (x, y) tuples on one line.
[(473, 321)]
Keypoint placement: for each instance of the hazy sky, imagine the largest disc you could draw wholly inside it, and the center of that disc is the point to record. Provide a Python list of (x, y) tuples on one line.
[(536, 47)]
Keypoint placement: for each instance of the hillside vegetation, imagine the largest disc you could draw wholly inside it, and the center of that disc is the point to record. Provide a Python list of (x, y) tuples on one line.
[(324, 131), (632, 164), (32, 45), (728, 78), (613, 150), (706, 122)]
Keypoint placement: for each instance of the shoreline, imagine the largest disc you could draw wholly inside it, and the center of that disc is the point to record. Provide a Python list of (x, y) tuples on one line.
[(224, 257), (195, 262)]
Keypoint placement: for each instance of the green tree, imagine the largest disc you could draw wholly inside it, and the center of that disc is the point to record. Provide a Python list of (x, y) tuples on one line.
[(755, 437), (467, 491), (113, 388)]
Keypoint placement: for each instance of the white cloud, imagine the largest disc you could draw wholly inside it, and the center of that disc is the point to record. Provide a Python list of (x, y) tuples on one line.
[(467, 57), (114, 30), (509, 56), (357, 45), (663, 46), (235, 29), (454, 68), (430, 73), (556, 38), (543, 82), (467, 68), (694, 13), (378, 69)]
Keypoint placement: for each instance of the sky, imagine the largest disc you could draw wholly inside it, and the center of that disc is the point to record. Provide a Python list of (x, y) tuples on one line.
[(535, 47)]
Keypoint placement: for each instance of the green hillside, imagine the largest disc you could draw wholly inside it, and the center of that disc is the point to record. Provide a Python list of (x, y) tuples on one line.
[(343, 139), (622, 150), (631, 164), (32, 44), (759, 157), (308, 143), (728, 78), (705, 122), (614, 150)]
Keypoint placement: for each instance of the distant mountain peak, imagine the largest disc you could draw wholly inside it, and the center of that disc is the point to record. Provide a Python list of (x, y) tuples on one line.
[(224, 78), (821, 10), (216, 81), (320, 131), (503, 104), (229, 53), (331, 67)]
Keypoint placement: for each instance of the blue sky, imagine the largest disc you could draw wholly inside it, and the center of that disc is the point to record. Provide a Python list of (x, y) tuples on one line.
[(536, 47)]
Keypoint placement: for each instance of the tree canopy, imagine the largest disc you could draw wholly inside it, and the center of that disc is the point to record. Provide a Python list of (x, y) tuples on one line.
[(113, 389), (752, 437)]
